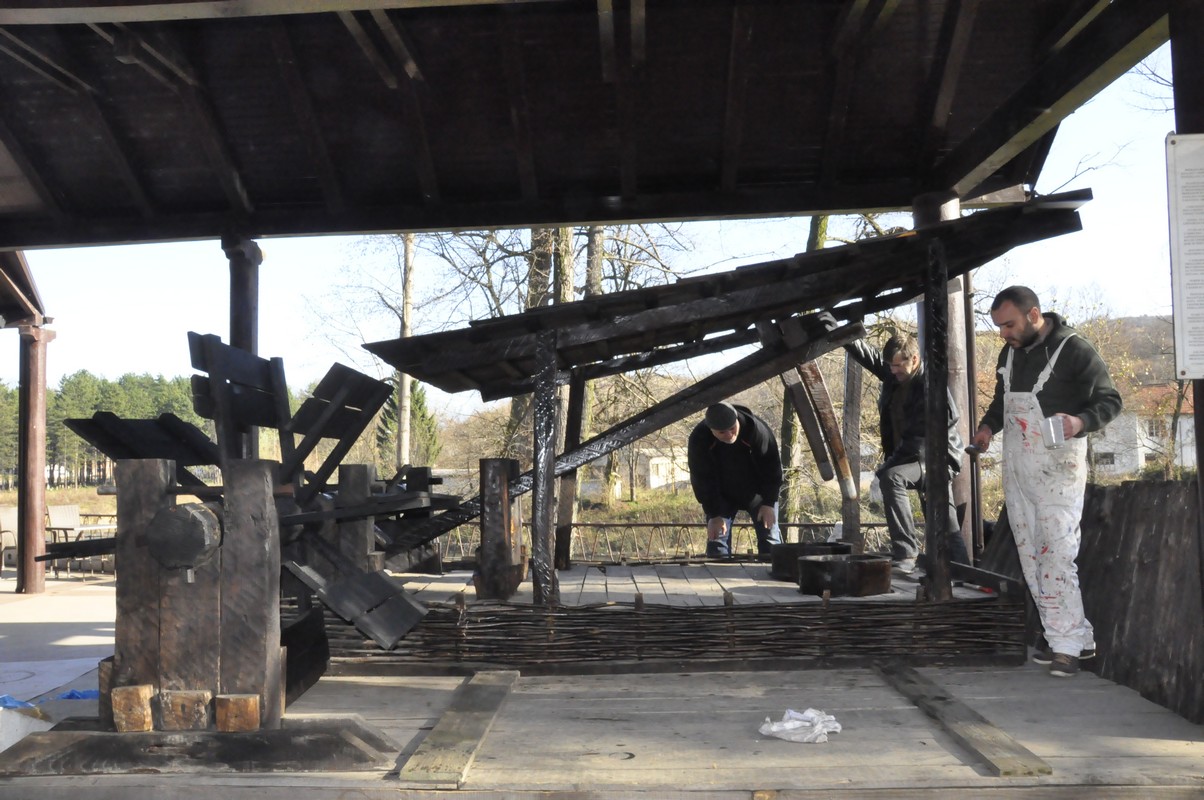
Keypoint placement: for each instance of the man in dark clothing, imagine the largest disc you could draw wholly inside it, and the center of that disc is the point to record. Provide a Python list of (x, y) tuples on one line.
[(1052, 389), (902, 425), (734, 466)]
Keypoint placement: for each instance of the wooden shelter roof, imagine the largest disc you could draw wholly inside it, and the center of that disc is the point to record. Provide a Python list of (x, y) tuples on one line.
[(703, 314), (151, 120)]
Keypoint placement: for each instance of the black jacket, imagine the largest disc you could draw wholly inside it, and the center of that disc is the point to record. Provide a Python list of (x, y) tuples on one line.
[(911, 441), (742, 476)]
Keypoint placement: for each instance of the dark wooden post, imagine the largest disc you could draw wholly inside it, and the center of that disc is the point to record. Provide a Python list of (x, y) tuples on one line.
[(850, 507), (929, 209), (355, 538), (250, 590), (143, 490), (1187, 60), (567, 504), (936, 451), (543, 487), (245, 257), (500, 568), (31, 508)]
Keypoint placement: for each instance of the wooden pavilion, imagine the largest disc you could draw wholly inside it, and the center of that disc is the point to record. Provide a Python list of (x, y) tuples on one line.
[(234, 120)]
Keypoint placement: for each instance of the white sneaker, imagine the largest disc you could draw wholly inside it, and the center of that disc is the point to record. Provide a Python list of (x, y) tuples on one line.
[(904, 565)]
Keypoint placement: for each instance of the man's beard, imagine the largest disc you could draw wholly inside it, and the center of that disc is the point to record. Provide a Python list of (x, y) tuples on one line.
[(1028, 337)]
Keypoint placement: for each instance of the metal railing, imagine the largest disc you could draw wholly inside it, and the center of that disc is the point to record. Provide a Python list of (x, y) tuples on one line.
[(615, 542)]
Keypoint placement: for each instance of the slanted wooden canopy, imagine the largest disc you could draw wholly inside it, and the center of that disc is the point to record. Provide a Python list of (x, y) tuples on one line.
[(623, 331)]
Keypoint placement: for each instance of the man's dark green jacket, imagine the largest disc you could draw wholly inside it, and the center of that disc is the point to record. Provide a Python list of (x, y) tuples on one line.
[(1079, 386)]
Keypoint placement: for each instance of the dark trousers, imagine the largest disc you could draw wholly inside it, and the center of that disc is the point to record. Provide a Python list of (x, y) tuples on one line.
[(895, 483)]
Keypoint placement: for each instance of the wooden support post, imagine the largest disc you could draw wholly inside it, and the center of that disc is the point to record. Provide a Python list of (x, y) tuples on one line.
[(31, 458), (567, 506), (930, 209), (501, 532), (355, 538), (936, 419), (543, 486), (143, 490), (250, 589), (189, 605), (850, 508), (245, 257)]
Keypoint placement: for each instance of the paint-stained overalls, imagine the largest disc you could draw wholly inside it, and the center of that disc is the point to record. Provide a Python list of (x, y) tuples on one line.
[(1044, 490)]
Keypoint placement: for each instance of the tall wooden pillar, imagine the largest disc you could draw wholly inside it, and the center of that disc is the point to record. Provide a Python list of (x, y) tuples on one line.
[(546, 591), (567, 503), (850, 508), (245, 257), (1187, 64), (930, 209), (936, 415), (31, 449)]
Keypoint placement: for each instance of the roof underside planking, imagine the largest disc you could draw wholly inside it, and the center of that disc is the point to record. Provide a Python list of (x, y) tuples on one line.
[(151, 120)]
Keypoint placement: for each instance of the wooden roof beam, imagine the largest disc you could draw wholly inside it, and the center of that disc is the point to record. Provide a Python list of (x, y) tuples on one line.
[(737, 90), (307, 119), (41, 12), (952, 46), (1116, 40), (397, 43), (374, 56), (52, 205), (520, 106), (92, 101), (606, 39), (412, 110), (862, 21), (161, 59)]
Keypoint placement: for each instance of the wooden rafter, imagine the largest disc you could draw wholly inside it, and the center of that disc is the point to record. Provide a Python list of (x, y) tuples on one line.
[(17, 12), (606, 39), (396, 40), (157, 55), (307, 119), (369, 49), (1116, 40), (51, 204), (639, 32), (520, 108), (737, 86), (952, 46)]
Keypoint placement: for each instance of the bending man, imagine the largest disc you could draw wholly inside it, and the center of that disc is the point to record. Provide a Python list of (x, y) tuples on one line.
[(735, 466)]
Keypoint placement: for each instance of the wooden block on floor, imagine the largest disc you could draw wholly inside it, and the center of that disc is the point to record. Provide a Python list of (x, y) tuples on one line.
[(184, 710), (132, 708), (445, 755), (237, 712), (1005, 756)]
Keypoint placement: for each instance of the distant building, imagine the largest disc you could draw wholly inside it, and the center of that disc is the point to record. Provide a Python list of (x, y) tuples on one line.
[(1142, 436)]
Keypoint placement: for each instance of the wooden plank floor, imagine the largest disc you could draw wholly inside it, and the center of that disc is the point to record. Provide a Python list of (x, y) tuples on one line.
[(683, 585)]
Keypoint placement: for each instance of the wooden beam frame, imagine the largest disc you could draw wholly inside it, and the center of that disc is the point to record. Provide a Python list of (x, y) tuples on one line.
[(1117, 39), (307, 118)]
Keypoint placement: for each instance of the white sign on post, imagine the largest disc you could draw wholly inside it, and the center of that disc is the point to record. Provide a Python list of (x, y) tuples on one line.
[(1185, 196)]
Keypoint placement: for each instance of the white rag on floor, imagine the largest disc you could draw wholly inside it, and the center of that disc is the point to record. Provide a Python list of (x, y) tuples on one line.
[(810, 726)]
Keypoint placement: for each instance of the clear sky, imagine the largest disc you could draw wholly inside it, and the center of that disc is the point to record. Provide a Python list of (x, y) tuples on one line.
[(119, 310)]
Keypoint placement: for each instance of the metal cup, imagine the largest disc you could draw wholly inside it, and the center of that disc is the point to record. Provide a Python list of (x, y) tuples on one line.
[(1051, 432)]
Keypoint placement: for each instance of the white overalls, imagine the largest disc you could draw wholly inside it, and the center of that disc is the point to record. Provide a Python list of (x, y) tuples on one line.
[(1043, 488)]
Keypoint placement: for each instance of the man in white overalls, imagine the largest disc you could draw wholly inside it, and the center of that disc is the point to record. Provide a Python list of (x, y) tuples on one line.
[(1052, 390)]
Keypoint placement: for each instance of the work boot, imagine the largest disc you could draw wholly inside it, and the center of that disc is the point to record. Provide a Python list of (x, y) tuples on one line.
[(1063, 666)]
